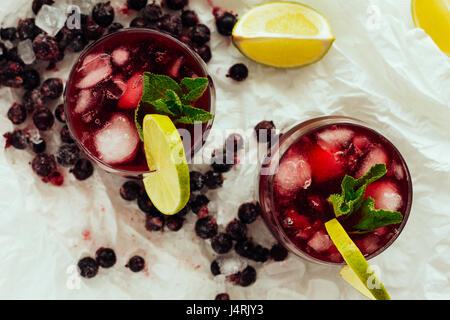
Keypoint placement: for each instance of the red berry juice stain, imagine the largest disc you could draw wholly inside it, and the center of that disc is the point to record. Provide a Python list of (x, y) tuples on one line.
[(86, 235), (197, 267)]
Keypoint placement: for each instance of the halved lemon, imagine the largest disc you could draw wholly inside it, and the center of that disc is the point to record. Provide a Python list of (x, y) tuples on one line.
[(283, 35), (433, 16), (357, 273), (168, 186)]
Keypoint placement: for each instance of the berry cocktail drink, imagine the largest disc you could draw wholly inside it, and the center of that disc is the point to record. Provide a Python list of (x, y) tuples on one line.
[(105, 88), (313, 159)]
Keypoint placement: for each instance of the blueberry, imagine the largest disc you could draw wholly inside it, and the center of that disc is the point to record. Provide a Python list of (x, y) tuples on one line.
[(105, 257), (225, 24), (37, 5), (213, 179), (32, 100), (17, 114), (244, 278), (215, 268), (204, 52), (198, 202), (8, 34), (238, 72), (154, 221), (189, 18), (200, 34), (171, 24), (220, 161), (136, 4), (43, 164), (248, 212), (174, 223), (136, 264), (59, 113), (103, 14), (91, 30), (18, 139), (206, 228), (11, 74), (130, 190), (38, 145), (237, 230), (115, 27), (260, 254), (43, 118), (176, 4), (196, 180), (244, 248), (45, 47), (31, 79), (264, 130), (222, 296), (83, 169), (139, 22), (145, 204), (88, 267), (27, 29), (65, 135), (278, 252), (67, 155), (152, 12), (52, 88), (221, 243), (78, 43)]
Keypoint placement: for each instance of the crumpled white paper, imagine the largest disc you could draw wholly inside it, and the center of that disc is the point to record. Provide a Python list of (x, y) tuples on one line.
[(381, 69)]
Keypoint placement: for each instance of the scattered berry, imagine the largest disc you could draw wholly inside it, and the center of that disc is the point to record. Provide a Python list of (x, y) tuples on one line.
[(213, 179), (88, 267), (264, 131), (260, 254), (198, 202), (31, 79), (175, 4), (32, 100), (45, 47), (220, 161), (8, 34), (171, 24), (11, 74), (244, 278), (65, 135), (105, 257), (206, 227), (43, 118), (67, 155), (136, 264), (215, 268), (55, 178), (115, 27), (78, 43), (59, 113), (83, 169), (139, 22), (238, 72), (17, 114), (200, 34), (91, 30), (154, 221), (278, 252), (248, 212), (203, 212), (204, 52), (136, 4), (189, 18), (130, 190), (225, 23), (196, 180), (18, 139), (145, 204), (222, 296), (237, 230), (38, 145), (152, 12), (174, 223), (43, 164), (103, 14), (52, 88), (221, 243), (27, 29), (244, 248)]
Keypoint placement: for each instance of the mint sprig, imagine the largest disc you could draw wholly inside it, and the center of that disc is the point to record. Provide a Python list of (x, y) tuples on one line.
[(165, 96), (351, 200)]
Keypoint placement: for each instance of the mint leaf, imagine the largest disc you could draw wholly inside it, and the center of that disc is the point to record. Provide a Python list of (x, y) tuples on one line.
[(162, 106), (155, 86), (173, 102), (372, 219), (194, 87), (193, 115)]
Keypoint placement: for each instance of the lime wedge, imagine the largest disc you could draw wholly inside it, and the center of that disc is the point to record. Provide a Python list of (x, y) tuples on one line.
[(357, 272), (168, 186), (283, 35)]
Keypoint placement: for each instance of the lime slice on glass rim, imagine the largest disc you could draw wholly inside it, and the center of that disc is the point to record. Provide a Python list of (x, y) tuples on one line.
[(357, 273), (168, 185)]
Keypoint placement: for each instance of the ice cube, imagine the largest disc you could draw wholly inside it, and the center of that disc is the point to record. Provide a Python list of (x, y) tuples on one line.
[(320, 241), (397, 170), (118, 141), (293, 174), (120, 56), (26, 52), (385, 194), (368, 244), (229, 266), (361, 143), (95, 68), (334, 140), (51, 19), (376, 155), (83, 101)]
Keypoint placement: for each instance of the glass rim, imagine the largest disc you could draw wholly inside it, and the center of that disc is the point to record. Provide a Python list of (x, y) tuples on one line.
[(212, 98), (292, 135)]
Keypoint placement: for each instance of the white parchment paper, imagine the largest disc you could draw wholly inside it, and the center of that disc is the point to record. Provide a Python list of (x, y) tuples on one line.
[(381, 69)]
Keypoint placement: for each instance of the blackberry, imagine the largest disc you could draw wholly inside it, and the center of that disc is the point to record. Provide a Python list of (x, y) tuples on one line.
[(220, 161), (43, 118), (43, 164), (38, 145), (32, 100), (200, 34), (237, 230), (65, 135), (59, 113), (31, 79), (8, 33), (91, 30), (139, 22), (206, 228), (221, 243), (136, 4), (67, 155), (115, 27), (152, 12), (88, 267), (225, 24), (213, 179), (105, 257), (248, 212), (130, 190), (215, 268), (244, 278), (222, 296), (264, 129), (204, 52), (37, 4), (17, 114), (83, 169), (174, 223), (45, 47), (78, 43), (278, 252), (238, 72), (103, 14), (27, 29), (171, 24), (175, 4), (136, 264), (198, 202), (145, 204), (52, 88), (189, 18), (18, 139), (154, 221), (196, 180)]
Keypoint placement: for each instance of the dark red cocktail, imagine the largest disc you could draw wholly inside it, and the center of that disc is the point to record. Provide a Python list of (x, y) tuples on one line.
[(313, 158), (102, 94)]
